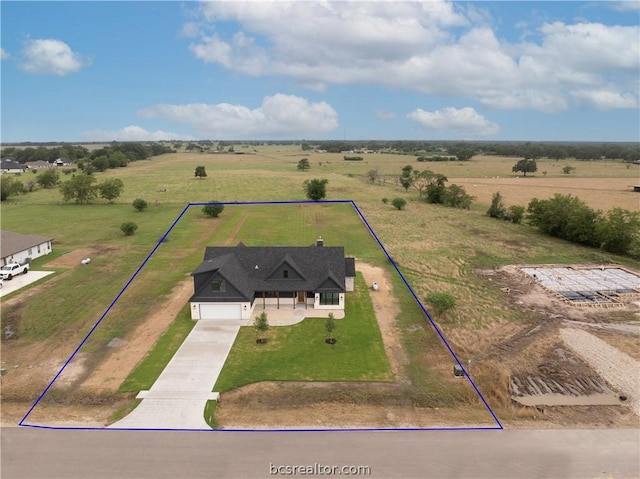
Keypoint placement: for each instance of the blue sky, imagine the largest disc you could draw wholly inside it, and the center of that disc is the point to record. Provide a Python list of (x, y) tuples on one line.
[(435, 70)]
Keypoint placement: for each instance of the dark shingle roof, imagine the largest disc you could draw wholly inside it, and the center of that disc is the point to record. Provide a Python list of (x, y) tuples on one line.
[(252, 269)]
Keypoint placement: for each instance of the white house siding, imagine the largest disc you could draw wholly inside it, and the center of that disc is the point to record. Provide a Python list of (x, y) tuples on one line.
[(28, 254), (339, 306), (348, 283)]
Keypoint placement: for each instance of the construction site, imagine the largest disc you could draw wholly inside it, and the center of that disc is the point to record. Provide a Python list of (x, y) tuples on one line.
[(581, 349)]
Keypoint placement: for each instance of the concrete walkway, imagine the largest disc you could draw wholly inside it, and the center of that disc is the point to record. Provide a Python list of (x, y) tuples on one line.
[(178, 397)]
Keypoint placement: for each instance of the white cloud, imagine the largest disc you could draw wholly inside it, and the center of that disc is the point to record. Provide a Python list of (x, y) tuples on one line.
[(132, 133), (50, 57), (385, 115), (4, 54), (435, 47), (464, 121), (624, 6), (278, 116)]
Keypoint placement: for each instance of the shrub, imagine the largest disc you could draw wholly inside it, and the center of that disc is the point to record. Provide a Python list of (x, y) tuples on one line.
[(399, 203), (128, 228), (385, 200), (497, 209), (441, 302), (515, 213), (214, 209), (140, 204)]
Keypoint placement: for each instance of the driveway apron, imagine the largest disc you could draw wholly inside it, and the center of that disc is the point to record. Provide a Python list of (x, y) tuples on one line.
[(178, 397)]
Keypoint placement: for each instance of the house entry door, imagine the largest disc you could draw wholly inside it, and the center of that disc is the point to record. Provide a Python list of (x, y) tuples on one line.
[(301, 296)]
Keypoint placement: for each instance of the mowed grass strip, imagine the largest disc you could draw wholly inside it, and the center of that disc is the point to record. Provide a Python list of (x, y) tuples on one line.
[(152, 365), (299, 352)]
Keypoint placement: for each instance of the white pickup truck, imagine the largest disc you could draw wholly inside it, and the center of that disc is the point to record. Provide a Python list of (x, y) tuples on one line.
[(10, 270)]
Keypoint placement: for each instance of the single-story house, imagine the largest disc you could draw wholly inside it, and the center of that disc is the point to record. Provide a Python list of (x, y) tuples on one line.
[(39, 165), (63, 161), (19, 248), (9, 165), (232, 281)]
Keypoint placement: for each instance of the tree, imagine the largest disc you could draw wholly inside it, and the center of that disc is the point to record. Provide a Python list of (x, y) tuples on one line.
[(525, 166), (306, 146), (421, 179), (9, 186), (618, 231), (399, 203), (139, 204), (213, 209), (100, 163), (128, 228), (567, 170), (436, 189), (48, 178), (330, 326), (303, 164), (406, 171), (457, 197), (261, 324), (405, 181), (200, 172), (566, 217), (373, 175), (316, 189), (441, 302), (80, 189), (465, 154), (497, 209), (110, 189)]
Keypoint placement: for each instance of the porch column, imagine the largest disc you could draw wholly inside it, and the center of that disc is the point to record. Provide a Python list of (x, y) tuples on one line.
[(278, 299), (264, 304)]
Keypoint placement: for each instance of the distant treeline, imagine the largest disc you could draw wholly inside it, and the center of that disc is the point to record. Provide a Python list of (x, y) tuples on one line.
[(627, 151), (112, 156)]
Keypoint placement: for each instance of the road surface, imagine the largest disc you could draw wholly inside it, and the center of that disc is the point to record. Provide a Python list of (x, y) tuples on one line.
[(514, 454)]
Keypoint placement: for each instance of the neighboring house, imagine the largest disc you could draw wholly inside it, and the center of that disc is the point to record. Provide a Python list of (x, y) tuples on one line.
[(233, 281), (62, 161), (19, 248), (9, 165), (636, 188), (39, 165)]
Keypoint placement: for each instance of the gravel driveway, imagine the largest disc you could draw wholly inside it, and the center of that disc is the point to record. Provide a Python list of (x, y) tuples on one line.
[(618, 369)]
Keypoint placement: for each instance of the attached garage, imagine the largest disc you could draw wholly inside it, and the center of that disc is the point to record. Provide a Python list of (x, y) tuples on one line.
[(221, 311)]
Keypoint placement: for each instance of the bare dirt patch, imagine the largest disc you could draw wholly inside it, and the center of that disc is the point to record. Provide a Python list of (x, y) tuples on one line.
[(71, 259), (128, 352)]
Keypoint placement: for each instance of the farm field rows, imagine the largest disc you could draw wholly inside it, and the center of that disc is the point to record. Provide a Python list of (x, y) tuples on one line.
[(436, 248)]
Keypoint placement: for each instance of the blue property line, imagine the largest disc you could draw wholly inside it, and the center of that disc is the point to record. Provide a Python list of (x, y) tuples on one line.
[(240, 203), (444, 340), (104, 314)]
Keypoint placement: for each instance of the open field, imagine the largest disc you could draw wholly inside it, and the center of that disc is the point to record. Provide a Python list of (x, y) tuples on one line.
[(437, 249)]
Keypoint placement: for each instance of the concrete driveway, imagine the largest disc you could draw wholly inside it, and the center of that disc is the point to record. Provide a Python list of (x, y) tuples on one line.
[(20, 281), (178, 397)]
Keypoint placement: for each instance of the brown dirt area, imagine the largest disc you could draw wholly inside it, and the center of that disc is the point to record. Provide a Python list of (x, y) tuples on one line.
[(526, 349)]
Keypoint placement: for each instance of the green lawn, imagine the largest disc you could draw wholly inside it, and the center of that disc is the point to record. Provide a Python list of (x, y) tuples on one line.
[(299, 352)]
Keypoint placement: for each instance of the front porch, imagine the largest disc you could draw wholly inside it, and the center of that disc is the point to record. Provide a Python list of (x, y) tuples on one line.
[(286, 315)]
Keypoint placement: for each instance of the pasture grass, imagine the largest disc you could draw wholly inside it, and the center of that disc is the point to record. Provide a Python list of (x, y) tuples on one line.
[(299, 352)]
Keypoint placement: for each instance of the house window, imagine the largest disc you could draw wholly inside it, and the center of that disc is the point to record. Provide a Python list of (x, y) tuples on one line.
[(38, 249), (285, 273), (327, 299), (30, 251), (218, 285)]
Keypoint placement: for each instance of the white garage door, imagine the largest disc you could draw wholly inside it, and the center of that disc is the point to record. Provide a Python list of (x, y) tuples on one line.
[(221, 311)]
